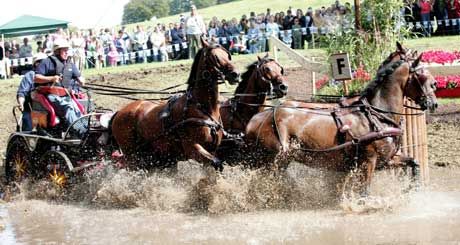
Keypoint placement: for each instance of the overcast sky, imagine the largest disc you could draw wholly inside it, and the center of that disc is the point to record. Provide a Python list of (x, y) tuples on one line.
[(81, 13)]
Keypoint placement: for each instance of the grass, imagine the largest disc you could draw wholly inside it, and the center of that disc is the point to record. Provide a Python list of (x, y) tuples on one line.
[(447, 43), (238, 8)]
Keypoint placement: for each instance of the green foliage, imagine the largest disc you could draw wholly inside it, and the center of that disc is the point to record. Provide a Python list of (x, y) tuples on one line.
[(142, 10), (204, 3), (159, 8), (381, 29), (179, 6), (136, 11)]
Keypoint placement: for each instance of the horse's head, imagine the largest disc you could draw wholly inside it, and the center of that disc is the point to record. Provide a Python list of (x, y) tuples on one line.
[(401, 53), (212, 63), (270, 77), (421, 86)]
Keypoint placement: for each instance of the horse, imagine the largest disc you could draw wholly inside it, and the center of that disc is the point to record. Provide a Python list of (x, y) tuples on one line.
[(343, 138), (185, 127), (263, 78)]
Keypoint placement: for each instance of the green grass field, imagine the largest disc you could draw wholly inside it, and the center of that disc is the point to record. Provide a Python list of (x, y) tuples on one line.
[(238, 8)]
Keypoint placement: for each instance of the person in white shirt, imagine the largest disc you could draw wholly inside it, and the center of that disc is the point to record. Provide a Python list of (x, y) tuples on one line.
[(194, 28), (158, 40)]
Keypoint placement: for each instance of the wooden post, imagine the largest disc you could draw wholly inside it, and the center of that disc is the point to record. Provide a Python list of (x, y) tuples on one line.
[(357, 15), (346, 92), (313, 78)]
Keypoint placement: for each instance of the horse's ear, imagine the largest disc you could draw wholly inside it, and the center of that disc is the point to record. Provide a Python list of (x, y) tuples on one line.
[(417, 61), (266, 55), (259, 59), (204, 42), (399, 47)]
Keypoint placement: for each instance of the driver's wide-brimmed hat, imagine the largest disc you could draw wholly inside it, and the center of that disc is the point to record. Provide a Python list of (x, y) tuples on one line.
[(60, 43)]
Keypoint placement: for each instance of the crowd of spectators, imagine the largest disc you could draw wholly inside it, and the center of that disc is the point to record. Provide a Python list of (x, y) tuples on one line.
[(249, 34), (444, 14)]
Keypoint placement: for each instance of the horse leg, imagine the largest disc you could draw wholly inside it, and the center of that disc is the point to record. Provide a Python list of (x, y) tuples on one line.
[(368, 169), (406, 162), (197, 152)]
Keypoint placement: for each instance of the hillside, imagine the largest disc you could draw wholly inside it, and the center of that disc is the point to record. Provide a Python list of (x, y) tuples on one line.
[(238, 8)]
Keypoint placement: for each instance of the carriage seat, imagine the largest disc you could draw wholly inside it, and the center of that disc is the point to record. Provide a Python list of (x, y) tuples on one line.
[(43, 113)]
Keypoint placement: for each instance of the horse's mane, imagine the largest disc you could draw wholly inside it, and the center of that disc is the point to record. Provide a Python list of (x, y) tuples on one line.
[(193, 71), (381, 78), (247, 74), (389, 58)]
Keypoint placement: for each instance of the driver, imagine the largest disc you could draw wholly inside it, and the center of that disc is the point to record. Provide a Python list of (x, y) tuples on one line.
[(56, 77), (24, 92)]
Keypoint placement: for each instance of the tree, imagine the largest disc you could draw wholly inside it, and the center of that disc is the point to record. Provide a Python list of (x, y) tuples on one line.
[(136, 11), (204, 3), (179, 6), (159, 8)]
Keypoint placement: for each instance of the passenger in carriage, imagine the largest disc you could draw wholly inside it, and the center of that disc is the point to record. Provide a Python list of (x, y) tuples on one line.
[(57, 77), (24, 90)]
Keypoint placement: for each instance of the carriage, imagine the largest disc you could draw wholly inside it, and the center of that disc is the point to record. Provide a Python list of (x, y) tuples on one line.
[(50, 151)]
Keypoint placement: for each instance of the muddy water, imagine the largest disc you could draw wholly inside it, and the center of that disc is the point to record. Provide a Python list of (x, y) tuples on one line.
[(240, 206)]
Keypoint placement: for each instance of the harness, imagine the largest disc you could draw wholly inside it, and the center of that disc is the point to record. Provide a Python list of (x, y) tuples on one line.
[(210, 74)]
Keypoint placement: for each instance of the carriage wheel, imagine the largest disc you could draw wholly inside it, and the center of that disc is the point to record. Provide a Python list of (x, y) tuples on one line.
[(56, 168), (18, 160)]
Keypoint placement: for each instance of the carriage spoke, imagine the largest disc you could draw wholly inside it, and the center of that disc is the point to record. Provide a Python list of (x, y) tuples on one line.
[(58, 177)]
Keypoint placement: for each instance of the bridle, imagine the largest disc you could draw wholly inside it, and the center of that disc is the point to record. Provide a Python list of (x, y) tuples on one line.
[(260, 74), (414, 79), (212, 68)]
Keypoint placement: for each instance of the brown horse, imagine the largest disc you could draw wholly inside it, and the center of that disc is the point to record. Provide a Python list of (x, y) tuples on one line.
[(263, 78), (348, 137), (187, 126)]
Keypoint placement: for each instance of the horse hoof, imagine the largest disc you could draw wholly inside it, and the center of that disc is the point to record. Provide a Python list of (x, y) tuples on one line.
[(217, 164)]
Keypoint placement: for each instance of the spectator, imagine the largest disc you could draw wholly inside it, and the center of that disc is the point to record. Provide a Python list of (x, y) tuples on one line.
[(238, 44), (77, 43), (212, 31), (233, 27), (159, 44), (281, 20), (272, 28), (286, 38), (112, 55), (120, 46), (260, 24), (25, 50), (296, 34), (243, 26), (254, 38), (287, 22), (2, 52), (177, 38), (453, 8), (139, 43), (425, 11), (194, 28)]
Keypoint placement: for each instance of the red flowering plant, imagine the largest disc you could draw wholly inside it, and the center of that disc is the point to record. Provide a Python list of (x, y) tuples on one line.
[(440, 57), (322, 82), (448, 82), (360, 78)]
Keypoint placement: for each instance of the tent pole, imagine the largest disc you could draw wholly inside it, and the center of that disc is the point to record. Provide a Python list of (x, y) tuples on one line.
[(4, 55)]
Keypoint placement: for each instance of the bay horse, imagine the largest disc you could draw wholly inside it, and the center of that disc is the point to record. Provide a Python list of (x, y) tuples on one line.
[(187, 126), (343, 138), (263, 78)]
